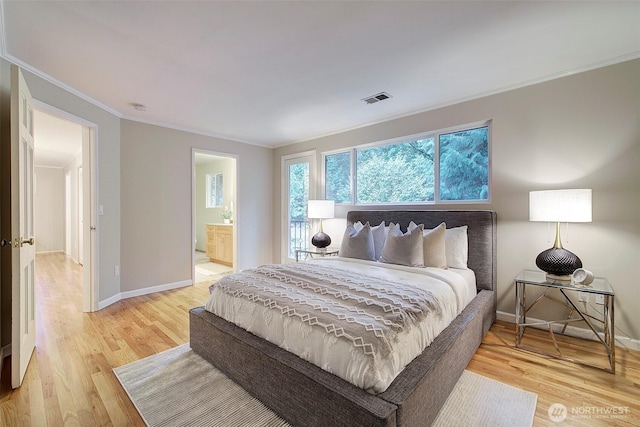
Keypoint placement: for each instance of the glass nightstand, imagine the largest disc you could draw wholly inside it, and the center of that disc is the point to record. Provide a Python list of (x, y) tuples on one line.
[(602, 328), (312, 253)]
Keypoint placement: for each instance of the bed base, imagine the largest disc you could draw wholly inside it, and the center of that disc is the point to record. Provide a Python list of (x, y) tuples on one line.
[(306, 395)]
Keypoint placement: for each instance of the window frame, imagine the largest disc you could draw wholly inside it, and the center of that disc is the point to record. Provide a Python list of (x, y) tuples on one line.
[(436, 166)]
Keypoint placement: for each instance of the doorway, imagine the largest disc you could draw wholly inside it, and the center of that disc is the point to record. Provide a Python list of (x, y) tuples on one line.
[(214, 214), (80, 217), (64, 154), (298, 187)]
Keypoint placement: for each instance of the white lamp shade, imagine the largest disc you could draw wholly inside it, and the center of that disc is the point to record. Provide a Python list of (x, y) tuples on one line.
[(321, 209), (560, 205)]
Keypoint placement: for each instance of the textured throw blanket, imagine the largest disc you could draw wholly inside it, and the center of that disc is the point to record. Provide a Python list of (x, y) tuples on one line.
[(367, 311)]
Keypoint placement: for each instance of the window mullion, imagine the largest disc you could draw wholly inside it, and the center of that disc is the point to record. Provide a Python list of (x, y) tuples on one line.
[(436, 169), (354, 181)]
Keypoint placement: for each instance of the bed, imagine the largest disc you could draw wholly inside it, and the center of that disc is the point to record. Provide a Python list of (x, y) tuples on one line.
[(306, 395)]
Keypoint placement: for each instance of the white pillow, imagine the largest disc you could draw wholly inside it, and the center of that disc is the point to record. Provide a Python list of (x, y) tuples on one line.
[(457, 247), (379, 236), (434, 249), (358, 243), (403, 249)]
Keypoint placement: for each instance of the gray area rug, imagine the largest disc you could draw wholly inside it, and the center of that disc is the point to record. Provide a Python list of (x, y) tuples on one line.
[(179, 388)]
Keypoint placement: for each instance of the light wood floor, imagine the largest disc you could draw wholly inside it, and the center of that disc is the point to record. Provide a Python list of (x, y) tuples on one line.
[(70, 379)]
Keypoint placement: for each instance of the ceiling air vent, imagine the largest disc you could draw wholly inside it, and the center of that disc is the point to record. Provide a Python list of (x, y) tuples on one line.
[(377, 98)]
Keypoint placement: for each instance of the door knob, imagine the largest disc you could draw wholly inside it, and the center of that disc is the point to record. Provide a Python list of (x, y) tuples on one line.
[(25, 241), (5, 242)]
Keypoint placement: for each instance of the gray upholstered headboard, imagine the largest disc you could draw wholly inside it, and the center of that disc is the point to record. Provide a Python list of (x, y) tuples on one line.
[(481, 234)]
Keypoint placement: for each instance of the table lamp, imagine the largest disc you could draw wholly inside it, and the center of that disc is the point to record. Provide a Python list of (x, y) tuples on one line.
[(559, 206), (321, 209)]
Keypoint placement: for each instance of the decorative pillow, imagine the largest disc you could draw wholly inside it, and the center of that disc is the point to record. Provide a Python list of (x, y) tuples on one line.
[(379, 236), (358, 243), (457, 247), (433, 241), (403, 249)]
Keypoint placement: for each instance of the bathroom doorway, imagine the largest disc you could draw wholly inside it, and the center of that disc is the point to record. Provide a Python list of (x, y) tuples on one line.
[(214, 201)]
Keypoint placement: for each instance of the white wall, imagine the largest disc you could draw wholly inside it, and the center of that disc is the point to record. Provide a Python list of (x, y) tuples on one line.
[(206, 215), (156, 203), (580, 131), (49, 209)]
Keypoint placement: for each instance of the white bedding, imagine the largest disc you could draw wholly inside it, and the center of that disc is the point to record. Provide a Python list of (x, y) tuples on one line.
[(452, 288)]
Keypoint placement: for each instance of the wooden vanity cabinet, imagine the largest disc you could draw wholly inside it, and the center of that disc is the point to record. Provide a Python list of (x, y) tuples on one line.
[(220, 244)]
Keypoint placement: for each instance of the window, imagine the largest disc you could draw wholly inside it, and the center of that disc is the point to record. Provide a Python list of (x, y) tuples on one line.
[(338, 177), (395, 173), (436, 167), (214, 196), (464, 165)]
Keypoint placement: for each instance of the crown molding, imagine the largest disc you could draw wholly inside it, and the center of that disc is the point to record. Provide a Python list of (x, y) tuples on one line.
[(60, 84), (193, 131)]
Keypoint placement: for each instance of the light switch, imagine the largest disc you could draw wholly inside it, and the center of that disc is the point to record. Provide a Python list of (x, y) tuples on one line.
[(100, 210)]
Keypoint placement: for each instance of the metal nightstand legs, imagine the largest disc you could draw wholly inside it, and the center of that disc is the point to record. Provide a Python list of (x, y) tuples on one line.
[(606, 337)]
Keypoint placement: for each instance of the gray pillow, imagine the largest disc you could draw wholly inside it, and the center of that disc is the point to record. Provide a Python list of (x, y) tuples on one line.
[(433, 245), (358, 243), (379, 236), (403, 249)]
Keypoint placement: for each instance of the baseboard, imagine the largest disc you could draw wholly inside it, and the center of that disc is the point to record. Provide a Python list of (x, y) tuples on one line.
[(622, 342), (143, 291), (49, 252), (111, 300), (153, 289)]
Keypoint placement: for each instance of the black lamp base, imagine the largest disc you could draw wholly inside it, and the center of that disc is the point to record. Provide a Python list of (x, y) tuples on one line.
[(321, 240), (558, 263)]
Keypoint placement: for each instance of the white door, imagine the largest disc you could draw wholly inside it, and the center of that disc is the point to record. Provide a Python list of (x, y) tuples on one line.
[(23, 335), (298, 185)]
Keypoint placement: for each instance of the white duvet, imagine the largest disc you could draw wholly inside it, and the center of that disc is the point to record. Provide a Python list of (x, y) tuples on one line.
[(452, 289)]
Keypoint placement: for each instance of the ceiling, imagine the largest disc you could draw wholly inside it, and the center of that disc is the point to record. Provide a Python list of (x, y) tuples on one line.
[(274, 73)]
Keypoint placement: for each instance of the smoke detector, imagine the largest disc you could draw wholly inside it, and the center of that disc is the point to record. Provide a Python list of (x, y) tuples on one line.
[(377, 98)]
